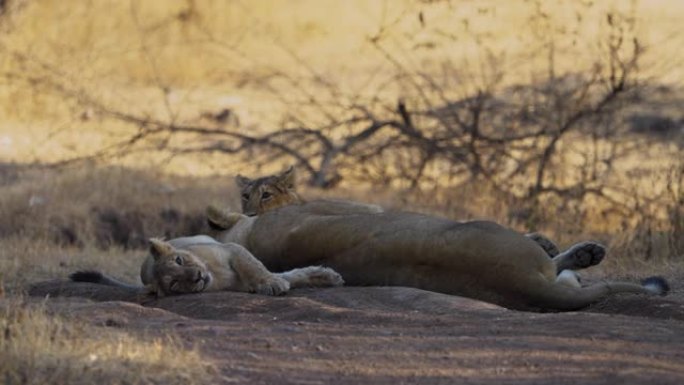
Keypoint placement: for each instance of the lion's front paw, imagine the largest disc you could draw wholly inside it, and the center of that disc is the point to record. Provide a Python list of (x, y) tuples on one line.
[(324, 277), (272, 285)]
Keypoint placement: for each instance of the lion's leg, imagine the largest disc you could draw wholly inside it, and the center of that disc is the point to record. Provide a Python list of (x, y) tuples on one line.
[(312, 276), (551, 249), (568, 278), (580, 256), (253, 274), (222, 220)]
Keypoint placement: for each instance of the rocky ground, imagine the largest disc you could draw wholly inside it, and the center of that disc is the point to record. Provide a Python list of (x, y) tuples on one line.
[(392, 335)]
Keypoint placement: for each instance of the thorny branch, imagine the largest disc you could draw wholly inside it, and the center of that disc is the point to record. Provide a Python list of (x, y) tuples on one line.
[(508, 136)]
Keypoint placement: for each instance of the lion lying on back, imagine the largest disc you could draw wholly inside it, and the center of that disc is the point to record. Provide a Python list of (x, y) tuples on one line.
[(274, 191), (477, 259), (199, 263)]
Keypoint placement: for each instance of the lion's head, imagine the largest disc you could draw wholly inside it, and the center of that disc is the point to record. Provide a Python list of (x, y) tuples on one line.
[(267, 193), (177, 271)]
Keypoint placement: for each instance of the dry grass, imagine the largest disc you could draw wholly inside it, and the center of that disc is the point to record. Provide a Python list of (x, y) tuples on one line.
[(41, 202), (28, 260), (38, 348)]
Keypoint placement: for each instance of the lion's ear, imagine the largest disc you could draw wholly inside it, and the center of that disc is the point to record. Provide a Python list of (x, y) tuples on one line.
[(222, 220), (288, 178), (242, 181), (159, 248)]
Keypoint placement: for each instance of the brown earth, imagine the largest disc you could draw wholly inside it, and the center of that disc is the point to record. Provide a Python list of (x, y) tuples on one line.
[(393, 335)]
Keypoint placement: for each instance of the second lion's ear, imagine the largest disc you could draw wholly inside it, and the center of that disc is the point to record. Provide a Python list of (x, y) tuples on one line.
[(242, 181), (159, 248), (288, 178)]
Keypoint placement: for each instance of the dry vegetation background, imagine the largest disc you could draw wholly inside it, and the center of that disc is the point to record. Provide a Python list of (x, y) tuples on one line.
[(122, 120)]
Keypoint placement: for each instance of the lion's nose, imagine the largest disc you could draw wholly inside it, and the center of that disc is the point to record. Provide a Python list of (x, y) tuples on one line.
[(198, 277)]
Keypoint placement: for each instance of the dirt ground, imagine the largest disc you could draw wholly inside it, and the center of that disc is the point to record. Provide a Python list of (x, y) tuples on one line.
[(395, 335)]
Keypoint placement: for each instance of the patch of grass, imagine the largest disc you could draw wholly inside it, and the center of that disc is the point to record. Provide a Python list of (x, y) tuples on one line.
[(38, 348), (25, 260), (54, 222), (76, 202)]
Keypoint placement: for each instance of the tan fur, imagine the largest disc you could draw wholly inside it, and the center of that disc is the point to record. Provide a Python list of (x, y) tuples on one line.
[(476, 259), (222, 220), (200, 263), (274, 191), (281, 190)]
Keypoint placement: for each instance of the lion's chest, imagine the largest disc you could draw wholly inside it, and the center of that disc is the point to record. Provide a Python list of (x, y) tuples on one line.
[(223, 277)]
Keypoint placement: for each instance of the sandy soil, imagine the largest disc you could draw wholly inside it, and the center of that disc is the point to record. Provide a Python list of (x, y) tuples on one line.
[(393, 335)]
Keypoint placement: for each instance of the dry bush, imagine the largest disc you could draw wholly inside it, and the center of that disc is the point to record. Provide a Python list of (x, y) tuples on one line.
[(38, 348), (107, 206), (555, 132), (656, 232)]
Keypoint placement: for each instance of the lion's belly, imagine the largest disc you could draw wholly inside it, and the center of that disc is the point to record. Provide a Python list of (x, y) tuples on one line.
[(477, 259), (224, 279), (217, 262)]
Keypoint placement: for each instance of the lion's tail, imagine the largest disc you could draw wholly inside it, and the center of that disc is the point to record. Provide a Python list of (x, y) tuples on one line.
[(656, 285), (563, 297), (93, 276)]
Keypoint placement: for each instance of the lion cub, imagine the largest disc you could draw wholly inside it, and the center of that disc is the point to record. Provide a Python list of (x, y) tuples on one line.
[(200, 263)]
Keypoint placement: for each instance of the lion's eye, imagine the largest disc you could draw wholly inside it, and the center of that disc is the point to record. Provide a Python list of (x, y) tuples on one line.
[(179, 260), (266, 195), (245, 197)]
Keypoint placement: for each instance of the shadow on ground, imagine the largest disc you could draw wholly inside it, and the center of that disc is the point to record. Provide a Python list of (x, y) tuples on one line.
[(393, 335)]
